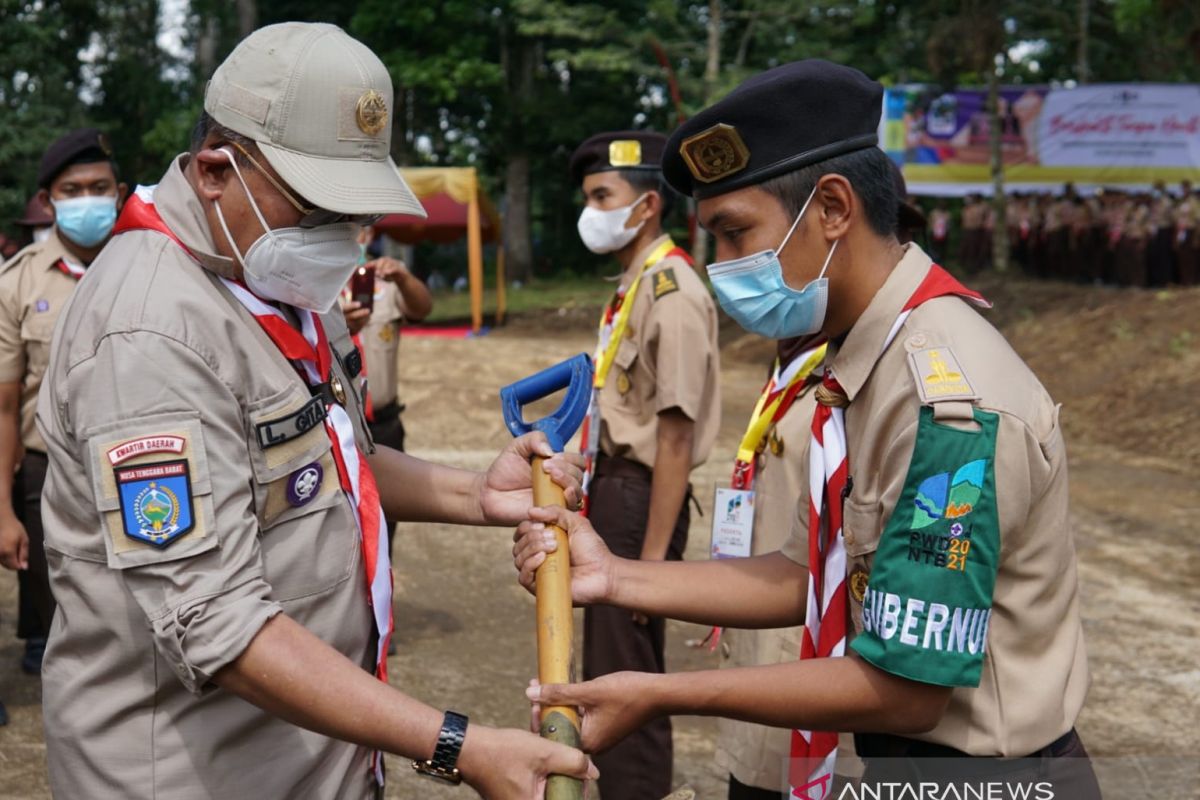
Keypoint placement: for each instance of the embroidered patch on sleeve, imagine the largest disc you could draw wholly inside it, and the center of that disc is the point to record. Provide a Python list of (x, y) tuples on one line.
[(664, 282), (939, 376), (928, 603), (156, 501)]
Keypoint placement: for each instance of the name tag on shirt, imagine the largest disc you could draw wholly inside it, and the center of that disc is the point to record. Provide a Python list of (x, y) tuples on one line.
[(733, 523)]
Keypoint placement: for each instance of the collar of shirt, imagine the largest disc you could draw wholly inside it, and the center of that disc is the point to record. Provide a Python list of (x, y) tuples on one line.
[(858, 353), (639, 261), (50, 251), (177, 203)]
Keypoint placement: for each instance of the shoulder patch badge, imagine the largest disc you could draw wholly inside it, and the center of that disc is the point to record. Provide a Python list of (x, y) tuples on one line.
[(664, 282), (156, 501), (939, 376)]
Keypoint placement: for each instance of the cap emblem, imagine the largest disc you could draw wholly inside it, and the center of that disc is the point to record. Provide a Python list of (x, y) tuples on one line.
[(371, 113), (625, 153), (715, 153)]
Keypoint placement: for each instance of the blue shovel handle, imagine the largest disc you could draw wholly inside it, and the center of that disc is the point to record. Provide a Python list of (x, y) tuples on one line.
[(574, 375)]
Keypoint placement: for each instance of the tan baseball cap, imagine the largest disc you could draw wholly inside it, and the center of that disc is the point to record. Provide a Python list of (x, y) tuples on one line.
[(319, 105)]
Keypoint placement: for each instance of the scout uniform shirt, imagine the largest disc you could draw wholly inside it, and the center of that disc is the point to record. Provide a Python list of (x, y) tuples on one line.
[(34, 287), (668, 358), (380, 339), (170, 415), (960, 559)]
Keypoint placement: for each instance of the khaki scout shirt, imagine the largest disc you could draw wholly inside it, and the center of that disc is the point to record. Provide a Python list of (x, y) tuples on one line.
[(156, 363), (1034, 669), (380, 339), (668, 358), (33, 291), (758, 755)]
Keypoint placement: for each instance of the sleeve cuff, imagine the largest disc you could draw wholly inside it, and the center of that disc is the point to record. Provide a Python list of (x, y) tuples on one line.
[(203, 635)]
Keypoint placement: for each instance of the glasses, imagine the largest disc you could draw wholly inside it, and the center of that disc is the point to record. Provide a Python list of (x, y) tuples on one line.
[(311, 216)]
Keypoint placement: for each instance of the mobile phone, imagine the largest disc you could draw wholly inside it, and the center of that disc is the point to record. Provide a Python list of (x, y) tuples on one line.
[(362, 286)]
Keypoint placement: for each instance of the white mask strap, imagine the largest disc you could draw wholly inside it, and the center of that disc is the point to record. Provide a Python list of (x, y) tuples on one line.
[(828, 258), (799, 217), (246, 189)]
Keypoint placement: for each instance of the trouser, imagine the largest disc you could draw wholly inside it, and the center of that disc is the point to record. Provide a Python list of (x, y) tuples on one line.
[(1064, 764), (35, 603), (388, 430), (639, 767)]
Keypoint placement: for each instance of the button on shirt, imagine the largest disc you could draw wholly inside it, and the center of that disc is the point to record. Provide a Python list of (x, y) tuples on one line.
[(668, 358), (1034, 626), (159, 389)]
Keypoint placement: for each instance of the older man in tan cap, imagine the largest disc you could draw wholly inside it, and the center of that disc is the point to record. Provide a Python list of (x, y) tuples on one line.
[(215, 506)]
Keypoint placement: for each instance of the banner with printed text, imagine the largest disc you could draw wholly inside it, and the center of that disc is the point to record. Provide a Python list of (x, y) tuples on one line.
[(1097, 135)]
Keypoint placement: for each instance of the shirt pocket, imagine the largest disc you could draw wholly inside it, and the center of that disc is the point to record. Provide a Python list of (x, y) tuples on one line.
[(37, 329), (624, 363), (309, 534), (862, 527)]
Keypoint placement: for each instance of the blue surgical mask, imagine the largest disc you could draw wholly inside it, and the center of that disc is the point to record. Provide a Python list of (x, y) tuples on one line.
[(752, 291), (86, 221)]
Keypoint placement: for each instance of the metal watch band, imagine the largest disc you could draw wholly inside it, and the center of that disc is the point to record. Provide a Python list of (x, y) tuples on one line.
[(450, 741), (445, 755)]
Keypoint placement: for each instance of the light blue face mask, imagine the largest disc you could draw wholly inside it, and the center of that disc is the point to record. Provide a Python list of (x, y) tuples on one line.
[(752, 291), (86, 221)]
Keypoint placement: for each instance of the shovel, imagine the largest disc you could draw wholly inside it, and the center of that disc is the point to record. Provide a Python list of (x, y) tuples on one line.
[(555, 634)]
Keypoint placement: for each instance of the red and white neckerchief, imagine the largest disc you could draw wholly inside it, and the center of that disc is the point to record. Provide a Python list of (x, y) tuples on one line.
[(309, 351), (814, 753), (75, 271)]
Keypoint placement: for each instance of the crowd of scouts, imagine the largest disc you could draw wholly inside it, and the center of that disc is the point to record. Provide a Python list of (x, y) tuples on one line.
[(1110, 236), (208, 464)]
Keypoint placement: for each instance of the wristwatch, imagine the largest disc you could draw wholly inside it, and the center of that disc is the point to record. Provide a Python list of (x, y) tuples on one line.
[(445, 756)]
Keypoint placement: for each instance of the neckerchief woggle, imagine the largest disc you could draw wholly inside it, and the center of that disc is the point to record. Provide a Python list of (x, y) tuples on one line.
[(814, 753), (309, 352), (613, 323)]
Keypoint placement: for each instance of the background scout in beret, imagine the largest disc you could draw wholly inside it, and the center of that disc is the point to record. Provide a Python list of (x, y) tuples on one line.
[(79, 195), (936, 445), (654, 415), (215, 507)]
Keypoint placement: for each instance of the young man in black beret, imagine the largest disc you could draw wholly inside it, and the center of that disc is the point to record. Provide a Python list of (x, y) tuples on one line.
[(941, 571), (80, 189), (655, 412)]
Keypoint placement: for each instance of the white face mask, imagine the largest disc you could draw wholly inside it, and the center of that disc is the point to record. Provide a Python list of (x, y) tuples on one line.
[(605, 231), (302, 267)]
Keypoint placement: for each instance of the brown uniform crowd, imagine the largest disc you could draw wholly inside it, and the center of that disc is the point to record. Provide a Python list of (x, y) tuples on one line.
[(1112, 237)]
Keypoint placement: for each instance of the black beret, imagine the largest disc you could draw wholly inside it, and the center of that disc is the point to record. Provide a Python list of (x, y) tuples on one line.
[(618, 150), (78, 146), (776, 122)]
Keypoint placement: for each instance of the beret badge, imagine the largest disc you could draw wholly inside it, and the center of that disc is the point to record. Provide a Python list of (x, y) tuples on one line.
[(371, 113), (625, 153), (715, 153)]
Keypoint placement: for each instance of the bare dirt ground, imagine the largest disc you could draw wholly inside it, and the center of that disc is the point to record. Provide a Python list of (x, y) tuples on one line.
[(1126, 366)]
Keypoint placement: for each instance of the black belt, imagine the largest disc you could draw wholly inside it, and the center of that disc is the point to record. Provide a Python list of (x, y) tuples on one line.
[(886, 745)]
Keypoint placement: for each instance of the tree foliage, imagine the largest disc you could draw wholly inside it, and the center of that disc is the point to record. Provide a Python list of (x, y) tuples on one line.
[(512, 86)]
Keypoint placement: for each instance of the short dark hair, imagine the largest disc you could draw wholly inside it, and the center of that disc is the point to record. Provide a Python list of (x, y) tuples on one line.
[(648, 180), (868, 170), (206, 126)]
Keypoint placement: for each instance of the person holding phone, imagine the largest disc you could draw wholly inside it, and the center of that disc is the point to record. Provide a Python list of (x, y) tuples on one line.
[(383, 295)]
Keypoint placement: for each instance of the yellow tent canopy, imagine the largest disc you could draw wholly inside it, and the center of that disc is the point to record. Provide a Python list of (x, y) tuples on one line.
[(456, 206)]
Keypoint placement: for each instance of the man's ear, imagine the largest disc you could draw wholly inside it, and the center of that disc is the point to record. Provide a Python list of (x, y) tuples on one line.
[(43, 197), (122, 195), (838, 205), (212, 170), (651, 206)]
